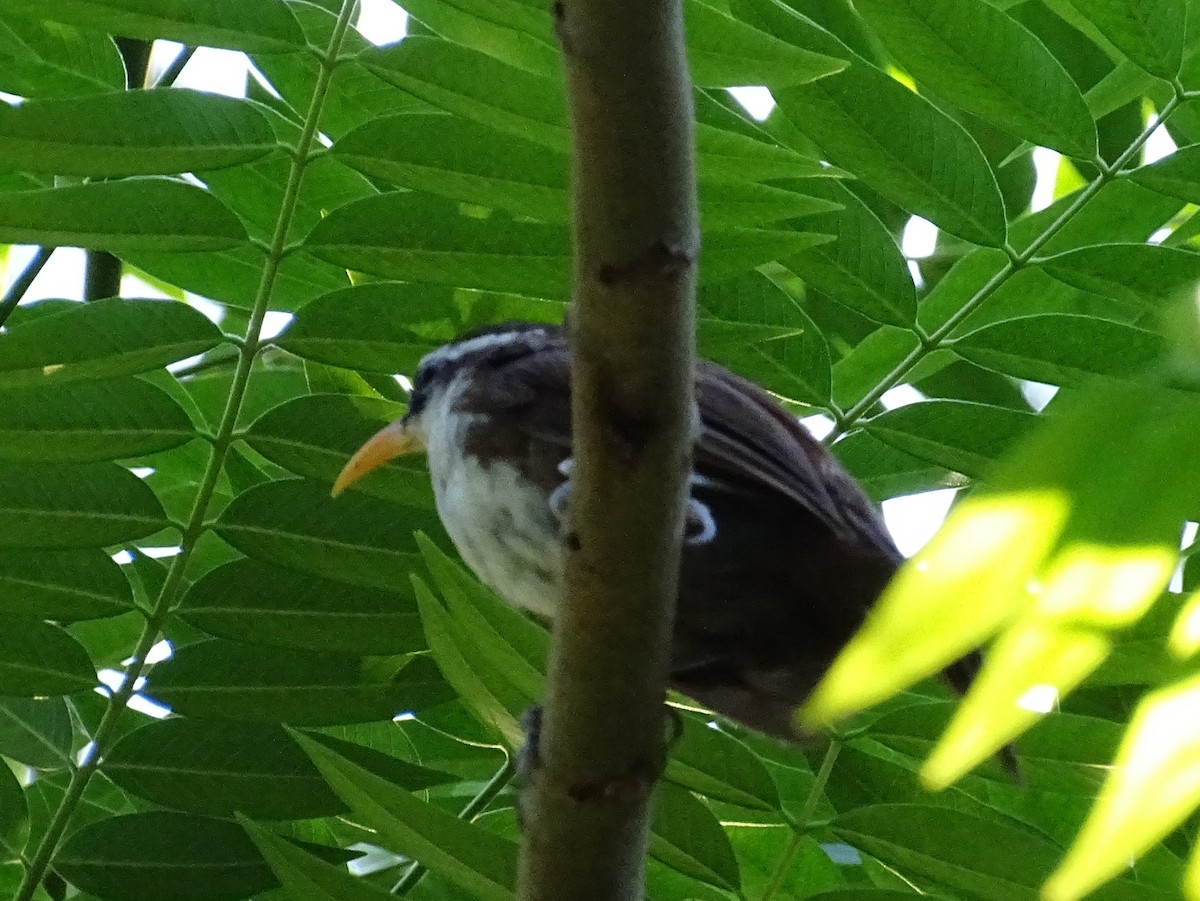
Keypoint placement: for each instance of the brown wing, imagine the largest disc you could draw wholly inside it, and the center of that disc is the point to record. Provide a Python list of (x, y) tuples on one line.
[(747, 440)]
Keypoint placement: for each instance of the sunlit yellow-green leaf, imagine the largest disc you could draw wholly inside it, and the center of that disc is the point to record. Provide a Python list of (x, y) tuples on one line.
[(1185, 633), (1075, 538), (1154, 785), (983, 553)]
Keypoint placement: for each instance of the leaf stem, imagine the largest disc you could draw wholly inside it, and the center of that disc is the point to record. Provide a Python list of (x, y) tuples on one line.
[(196, 524), (800, 828), (474, 807), (1018, 260), (17, 290)]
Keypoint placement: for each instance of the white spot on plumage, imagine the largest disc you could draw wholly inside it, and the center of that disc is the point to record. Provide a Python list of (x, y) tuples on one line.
[(698, 515)]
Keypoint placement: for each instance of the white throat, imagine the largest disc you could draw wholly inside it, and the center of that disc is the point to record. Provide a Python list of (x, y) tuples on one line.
[(502, 527)]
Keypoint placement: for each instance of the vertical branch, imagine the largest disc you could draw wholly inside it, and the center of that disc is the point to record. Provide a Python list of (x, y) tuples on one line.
[(632, 321)]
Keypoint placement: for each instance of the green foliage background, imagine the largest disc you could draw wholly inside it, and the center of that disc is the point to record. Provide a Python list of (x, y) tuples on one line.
[(392, 197)]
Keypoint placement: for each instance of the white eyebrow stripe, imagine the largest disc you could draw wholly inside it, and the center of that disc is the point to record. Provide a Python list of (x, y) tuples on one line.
[(451, 353)]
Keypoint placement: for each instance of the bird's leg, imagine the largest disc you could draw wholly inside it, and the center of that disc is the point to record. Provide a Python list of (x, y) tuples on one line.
[(529, 760)]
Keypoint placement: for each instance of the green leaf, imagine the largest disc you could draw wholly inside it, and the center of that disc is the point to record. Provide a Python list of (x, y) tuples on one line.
[(1061, 349), (1177, 175), (227, 680), (903, 147), (39, 659), (1073, 539), (518, 33), (314, 436), (387, 327), (250, 25), (523, 645), (414, 237), (492, 698), (463, 160), (108, 641), (103, 339), (1141, 274), (863, 268), (62, 585), (988, 858), (686, 836), (82, 505), (36, 731), (259, 603), (793, 366), (979, 58), (234, 275), (159, 854), (89, 421), (469, 162), (355, 538), (1149, 32), (884, 471), (724, 51), (14, 814), (217, 768), (528, 106), (129, 215), (961, 436), (44, 59), (475, 86), (305, 877), (721, 50), (1151, 788), (717, 765), (479, 862), (132, 133)]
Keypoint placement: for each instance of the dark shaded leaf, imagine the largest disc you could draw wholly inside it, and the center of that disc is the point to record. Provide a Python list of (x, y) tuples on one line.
[(81, 422), (355, 538), (225, 680), (62, 585), (36, 731), (314, 436), (217, 768), (38, 659), (255, 602), (82, 505), (477, 861), (687, 837), (160, 854), (102, 339), (306, 877)]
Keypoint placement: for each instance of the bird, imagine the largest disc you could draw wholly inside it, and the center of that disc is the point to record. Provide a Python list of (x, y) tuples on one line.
[(783, 554)]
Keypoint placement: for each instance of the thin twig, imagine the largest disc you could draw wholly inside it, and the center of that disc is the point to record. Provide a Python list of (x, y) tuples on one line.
[(12, 297)]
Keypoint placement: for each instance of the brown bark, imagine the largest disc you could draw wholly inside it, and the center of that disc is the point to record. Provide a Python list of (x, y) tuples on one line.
[(632, 325)]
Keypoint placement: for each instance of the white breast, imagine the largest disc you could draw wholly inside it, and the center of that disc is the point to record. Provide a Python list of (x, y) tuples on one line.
[(505, 532)]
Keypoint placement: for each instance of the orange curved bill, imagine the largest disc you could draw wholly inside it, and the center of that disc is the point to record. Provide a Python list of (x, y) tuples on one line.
[(388, 443)]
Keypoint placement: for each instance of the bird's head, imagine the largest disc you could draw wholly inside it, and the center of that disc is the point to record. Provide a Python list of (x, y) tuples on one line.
[(440, 376)]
